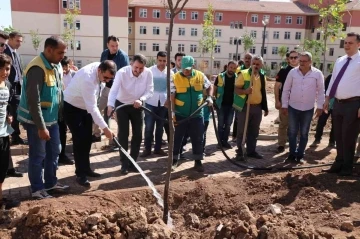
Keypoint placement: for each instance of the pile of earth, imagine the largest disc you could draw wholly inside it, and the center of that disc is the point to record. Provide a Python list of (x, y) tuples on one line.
[(301, 204)]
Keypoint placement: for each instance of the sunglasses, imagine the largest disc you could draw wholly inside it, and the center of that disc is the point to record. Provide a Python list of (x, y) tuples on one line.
[(2, 44), (293, 57)]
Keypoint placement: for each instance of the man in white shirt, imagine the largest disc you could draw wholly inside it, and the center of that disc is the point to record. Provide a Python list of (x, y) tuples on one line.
[(68, 73), (304, 85), (156, 105), (344, 86), (132, 85), (81, 109)]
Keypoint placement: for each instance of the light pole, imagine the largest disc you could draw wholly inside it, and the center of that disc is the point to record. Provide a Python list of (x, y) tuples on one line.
[(264, 22), (105, 22), (237, 48)]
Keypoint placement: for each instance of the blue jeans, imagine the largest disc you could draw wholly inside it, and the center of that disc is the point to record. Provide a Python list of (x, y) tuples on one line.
[(195, 129), (39, 151), (150, 121), (225, 118), (299, 121)]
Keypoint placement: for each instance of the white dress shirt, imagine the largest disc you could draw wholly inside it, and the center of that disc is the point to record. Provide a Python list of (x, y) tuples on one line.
[(84, 90), (300, 91), (128, 88), (67, 78), (160, 86), (349, 85)]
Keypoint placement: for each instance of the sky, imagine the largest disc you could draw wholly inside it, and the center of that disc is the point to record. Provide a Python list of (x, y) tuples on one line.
[(5, 13)]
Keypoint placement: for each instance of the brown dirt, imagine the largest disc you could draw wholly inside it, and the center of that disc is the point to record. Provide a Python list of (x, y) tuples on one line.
[(312, 205)]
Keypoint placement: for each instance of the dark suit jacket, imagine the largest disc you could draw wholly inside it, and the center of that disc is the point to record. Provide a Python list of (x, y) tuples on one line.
[(15, 88)]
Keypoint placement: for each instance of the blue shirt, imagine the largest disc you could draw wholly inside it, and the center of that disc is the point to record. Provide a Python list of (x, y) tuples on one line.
[(121, 59)]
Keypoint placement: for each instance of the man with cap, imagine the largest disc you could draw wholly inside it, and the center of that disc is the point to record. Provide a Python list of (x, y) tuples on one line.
[(186, 88)]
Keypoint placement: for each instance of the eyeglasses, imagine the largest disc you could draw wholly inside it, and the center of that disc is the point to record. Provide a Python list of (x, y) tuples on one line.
[(293, 57), (2, 44)]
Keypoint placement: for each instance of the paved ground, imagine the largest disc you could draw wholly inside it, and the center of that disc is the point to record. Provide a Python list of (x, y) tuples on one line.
[(107, 163)]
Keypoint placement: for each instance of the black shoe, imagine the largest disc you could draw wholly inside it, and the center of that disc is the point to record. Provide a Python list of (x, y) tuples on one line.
[(344, 173), (290, 159), (315, 143), (335, 168), (145, 153), (13, 173), (83, 181), (8, 203), (116, 148), (198, 166), (96, 138), (300, 160), (240, 158), (280, 149), (163, 142), (255, 155), (226, 145), (133, 169), (17, 140), (182, 156), (66, 160), (92, 174), (332, 145)]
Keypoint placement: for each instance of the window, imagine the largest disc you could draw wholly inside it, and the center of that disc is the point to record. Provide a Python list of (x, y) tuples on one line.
[(230, 56), (266, 18), (77, 4), (194, 32), (219, 16), (277, 19), (298, 36), (77, 25), (182, 15), (287, 35), (342, 43), (142, 46), (78, 63), (71, 4), (130, 30), (253, 33), (78, 45), (273, 65), (217, 64), (143, 12), (288, 20), (181, 31), (266, 34), (331, 51), (129, 46), (142, 29), (194, 15), (236, 25), (237, 41), (254, 18), (232, 25), (181, 48), (240, 25), (156, 13), (167, 30), (205, 16), (231, 40), (156, 31), (167, 14), (253, 50), (64, 3), (265, 50), (344, 26), (166, 47), (193, 48), (318, 36), (299, 20), (156, 47), (276, 35), (130, 13), (274, 50), (217, 32), (217, 49), (65, 24)]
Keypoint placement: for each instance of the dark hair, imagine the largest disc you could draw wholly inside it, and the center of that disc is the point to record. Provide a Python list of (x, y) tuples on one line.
[(354, 34), (112, 38), (4, 35), (15, 34), (108, 65), (179, 54), (140, 58), (241, 62), (229, 63), (53, 42), (172, 64), (4, 60), (287, 54), (65, 61), (292, 51), (161, 54)]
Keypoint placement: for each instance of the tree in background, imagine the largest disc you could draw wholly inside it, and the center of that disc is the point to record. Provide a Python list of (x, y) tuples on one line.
[(69, 32), (316, 48), (35, 39), (208, 41), (282, 50), (248, 41), (9, 29), (330, 17)]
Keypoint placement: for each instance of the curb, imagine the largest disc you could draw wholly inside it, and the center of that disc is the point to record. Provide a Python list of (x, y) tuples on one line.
[(275, 137)]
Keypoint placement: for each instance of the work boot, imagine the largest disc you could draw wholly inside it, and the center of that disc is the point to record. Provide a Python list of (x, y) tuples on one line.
[(315, 143), (198, 166), (160, 152), (145, 153)]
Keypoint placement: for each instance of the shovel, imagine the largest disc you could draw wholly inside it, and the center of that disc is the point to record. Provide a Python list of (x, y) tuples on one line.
[(246, 123)]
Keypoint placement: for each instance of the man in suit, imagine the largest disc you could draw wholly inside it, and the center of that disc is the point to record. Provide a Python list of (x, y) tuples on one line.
[(15, 78)]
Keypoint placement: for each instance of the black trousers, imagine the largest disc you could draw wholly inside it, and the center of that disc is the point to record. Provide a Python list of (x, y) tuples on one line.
[(346, 128), (234, 131), (136, 118), (4, 157), (14, 103), (62, 132), (80, 125), (321, 124), (206, 124)]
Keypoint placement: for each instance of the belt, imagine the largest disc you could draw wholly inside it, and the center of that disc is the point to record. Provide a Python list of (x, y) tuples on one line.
[(348, 99)]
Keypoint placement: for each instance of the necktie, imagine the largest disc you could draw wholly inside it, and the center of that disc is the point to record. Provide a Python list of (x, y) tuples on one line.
[(17, 66), (338, 78)]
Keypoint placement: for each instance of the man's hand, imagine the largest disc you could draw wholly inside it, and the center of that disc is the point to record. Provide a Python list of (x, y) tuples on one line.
[(248, 91), (326, 105), (278, 105), (137, 104), (44, 134), (108, 133), (266, 113), (9, 119), (110, 111), (209, 100), (284, 111), (318, 113)]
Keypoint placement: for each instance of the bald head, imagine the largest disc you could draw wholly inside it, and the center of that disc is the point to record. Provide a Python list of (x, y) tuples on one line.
[(247, 60), (54, 49)]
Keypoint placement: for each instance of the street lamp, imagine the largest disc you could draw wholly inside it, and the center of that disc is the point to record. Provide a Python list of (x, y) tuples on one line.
[(237, 48), (264, 22)]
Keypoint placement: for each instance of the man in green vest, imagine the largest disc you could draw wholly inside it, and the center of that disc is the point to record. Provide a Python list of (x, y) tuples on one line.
[(186, 88), (256, 95), (39, 108), (224, 93)]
